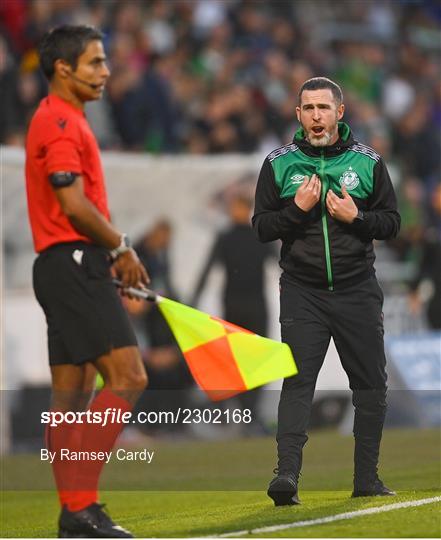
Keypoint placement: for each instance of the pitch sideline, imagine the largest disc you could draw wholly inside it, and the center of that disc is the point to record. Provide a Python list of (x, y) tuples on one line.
[(329, 519)]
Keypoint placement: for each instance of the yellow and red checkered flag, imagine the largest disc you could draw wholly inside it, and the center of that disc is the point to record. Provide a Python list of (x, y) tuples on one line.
[(223, 358)]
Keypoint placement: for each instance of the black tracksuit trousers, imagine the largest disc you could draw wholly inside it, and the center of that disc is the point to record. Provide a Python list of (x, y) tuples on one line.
[(353, 317)]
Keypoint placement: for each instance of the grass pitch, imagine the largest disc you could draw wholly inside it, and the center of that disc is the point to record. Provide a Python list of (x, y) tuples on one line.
[(217, 494)]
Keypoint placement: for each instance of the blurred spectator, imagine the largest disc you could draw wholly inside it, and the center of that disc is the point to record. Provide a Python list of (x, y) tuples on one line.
[(411, 204), (22, 89), (243, 258), (153, 251), (360, 70), (10, 119), (169, 377), (207, 15), (417, 143), (429, 268)]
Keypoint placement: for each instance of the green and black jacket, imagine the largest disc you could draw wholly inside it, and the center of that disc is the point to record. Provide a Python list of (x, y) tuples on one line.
[(318, 250)]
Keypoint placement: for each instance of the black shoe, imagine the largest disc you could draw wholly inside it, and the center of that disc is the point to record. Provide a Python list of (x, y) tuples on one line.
[(373, 489), (283, 490), (92, 522)]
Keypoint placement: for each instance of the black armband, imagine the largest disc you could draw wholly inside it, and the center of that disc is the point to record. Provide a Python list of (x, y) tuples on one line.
[(62, 179)]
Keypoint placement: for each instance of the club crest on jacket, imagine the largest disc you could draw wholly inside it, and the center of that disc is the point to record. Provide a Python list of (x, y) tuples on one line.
[(349, 179)]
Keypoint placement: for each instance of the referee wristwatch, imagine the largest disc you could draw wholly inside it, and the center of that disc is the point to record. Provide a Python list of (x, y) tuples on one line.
[(124, 246)]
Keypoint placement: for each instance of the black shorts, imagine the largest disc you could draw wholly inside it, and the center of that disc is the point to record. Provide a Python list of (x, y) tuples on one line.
[(84, 313)]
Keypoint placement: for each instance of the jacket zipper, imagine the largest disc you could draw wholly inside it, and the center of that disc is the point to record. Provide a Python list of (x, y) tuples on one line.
[(325, 222)]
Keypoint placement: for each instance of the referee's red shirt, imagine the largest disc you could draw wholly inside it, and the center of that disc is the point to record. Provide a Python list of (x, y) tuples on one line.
[(60, 139)]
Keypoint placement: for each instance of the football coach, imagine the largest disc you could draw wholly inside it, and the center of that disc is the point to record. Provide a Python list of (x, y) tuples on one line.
[(77, 247), (327, 197)]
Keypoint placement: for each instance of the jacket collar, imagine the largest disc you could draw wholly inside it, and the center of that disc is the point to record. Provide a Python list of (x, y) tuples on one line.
[(344, 141)]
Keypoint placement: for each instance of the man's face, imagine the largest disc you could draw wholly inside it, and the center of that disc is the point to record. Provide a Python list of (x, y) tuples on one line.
[(319, 114), (239, 211), (91, 69)]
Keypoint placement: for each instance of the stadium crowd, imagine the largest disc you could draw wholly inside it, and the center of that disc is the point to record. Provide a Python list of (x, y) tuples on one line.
[(213, 77)]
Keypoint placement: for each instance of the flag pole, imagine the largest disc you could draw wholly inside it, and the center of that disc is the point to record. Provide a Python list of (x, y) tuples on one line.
[(143, 294)]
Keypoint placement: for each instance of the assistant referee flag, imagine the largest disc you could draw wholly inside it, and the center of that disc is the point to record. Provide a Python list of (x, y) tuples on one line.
[(223, 358)]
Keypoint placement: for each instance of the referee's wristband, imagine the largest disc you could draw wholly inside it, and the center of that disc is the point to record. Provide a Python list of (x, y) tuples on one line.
[(124, 246)]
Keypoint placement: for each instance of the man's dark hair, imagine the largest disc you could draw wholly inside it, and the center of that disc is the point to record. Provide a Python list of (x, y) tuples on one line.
[(319, 83), (65, 43)]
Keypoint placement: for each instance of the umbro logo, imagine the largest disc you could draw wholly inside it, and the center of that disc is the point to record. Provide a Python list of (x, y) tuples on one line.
[(297, 178), (61, 122)]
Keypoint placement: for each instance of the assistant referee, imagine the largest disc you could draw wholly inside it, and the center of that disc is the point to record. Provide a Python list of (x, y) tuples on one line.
[(77, 247)]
